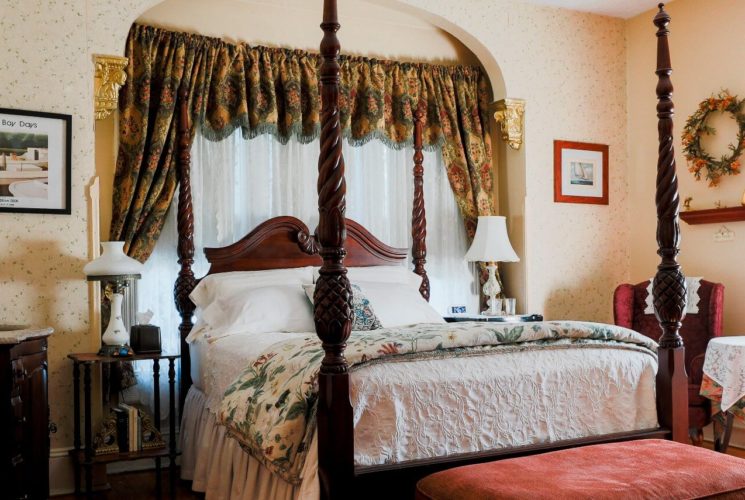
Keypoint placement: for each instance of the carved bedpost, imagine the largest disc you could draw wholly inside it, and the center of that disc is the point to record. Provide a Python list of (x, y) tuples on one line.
[(185, 282), (333, 295), (418, 215), (669, 289)]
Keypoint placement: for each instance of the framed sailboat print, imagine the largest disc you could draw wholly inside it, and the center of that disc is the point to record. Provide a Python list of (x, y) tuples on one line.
[(580, 172)]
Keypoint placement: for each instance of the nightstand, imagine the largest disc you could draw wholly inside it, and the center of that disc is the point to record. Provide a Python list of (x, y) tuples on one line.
[(520, 318), (24, 412), (85, 458)]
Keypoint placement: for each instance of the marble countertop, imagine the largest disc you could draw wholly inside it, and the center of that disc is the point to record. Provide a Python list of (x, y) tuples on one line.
[(15, 334)]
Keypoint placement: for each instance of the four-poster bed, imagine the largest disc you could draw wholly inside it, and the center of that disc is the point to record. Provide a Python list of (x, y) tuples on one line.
[(286, 242)]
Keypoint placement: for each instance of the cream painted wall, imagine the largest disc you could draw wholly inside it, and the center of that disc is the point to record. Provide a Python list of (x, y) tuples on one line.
[(569, 66), (705, 44), (370, 30), (576, 254)]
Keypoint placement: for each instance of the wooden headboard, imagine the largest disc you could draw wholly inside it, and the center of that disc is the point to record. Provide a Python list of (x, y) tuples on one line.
[(286, 242), (282, 242)]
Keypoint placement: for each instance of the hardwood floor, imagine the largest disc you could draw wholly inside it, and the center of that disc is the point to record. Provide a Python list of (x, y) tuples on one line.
[(139, 485), (735, 452)]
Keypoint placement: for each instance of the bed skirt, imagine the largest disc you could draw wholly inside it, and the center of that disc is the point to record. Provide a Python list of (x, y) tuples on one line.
[(218, 467)]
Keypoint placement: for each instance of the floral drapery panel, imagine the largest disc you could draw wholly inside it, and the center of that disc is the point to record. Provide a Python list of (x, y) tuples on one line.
[(275, 91)]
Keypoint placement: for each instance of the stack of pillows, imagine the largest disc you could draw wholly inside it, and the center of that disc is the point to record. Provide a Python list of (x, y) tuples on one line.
[(282, 301)]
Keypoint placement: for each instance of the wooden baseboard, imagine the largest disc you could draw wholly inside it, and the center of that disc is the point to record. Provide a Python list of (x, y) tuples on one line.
[(738, 435), (61, 474), (61, 480)]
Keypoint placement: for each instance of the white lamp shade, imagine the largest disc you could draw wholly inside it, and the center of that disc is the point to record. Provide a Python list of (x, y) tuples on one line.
[(113, 262), (491, 243)]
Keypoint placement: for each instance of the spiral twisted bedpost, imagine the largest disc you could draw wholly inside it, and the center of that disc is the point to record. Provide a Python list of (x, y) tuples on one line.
[(333, 294), (185, 282), (418, 215), (669, 288)]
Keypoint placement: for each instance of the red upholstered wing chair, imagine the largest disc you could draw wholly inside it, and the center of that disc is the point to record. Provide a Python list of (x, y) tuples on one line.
[(629, 302)]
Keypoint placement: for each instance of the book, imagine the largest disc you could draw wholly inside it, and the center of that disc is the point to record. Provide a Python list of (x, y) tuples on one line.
[(139, 431), (122, 429), (132, 427)]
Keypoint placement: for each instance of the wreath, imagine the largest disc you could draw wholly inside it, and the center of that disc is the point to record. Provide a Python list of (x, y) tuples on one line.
[(696, 127)]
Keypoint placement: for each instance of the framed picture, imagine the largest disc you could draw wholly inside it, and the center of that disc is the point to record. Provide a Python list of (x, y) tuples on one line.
[(580, 172), (34, 162)]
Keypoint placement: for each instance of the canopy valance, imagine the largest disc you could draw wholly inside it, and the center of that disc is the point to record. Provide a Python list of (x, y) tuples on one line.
[(264, 90)]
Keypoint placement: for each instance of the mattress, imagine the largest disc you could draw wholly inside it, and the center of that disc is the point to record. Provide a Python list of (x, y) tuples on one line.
[(419, 409)]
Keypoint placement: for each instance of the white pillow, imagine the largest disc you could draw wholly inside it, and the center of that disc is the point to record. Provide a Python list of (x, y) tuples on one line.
[(380, 274), (226, 285), (363, 314), (199, 330), (260, 310), (398, 304)]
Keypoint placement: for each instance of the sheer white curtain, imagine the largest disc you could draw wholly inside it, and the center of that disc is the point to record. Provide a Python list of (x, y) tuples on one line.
[(238, 184)]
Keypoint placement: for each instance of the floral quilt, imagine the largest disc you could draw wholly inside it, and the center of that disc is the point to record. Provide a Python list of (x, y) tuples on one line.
[(270, 408)]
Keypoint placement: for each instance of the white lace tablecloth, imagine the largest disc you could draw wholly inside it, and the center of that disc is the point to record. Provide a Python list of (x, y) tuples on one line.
[(725, 365)]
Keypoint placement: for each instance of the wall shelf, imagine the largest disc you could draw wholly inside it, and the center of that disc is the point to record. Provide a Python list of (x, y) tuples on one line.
[(714, 215)]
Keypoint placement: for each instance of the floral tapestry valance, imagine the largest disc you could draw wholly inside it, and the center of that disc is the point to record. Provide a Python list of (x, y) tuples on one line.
[(276, 91)]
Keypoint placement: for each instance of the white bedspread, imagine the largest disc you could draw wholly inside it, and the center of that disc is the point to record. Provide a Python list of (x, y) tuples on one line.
[(426, 408)]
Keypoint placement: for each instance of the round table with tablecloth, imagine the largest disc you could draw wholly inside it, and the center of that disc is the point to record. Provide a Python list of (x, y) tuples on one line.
[(724, 384)]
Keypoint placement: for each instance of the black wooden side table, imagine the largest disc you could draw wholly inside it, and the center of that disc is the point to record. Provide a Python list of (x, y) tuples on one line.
[(84, 458)]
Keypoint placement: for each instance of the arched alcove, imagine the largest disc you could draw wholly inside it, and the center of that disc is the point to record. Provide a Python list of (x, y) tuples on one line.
[(392, 29), (116, 28), (481, 52), (387, 29)]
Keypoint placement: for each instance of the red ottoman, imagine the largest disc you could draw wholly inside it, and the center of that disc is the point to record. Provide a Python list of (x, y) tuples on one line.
[(635, 469)]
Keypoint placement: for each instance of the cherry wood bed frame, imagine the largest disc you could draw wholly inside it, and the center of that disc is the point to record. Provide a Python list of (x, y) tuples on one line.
[(285, 242)]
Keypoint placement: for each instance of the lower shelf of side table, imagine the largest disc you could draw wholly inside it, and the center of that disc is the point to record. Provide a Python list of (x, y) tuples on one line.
[(79, 456)]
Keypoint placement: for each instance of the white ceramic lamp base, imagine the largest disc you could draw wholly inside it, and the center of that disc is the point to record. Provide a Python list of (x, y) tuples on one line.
[(116, 333), (491, 245), (491, 289)]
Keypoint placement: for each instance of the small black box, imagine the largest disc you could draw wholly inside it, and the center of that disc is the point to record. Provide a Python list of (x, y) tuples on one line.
[(145, 339)]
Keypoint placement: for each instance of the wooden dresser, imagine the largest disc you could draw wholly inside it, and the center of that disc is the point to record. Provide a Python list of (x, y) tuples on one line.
[(24, 412)]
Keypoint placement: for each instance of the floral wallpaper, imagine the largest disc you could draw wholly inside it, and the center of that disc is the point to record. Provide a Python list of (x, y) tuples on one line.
[(574, 255), (42, 256), (570, 67)]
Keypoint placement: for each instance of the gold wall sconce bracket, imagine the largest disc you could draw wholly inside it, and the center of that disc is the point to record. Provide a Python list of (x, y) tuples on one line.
[(510, 116), (108, 78)]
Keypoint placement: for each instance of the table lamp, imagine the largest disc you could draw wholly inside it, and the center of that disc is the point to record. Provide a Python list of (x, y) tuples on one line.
[(115, 267), (491, 245)]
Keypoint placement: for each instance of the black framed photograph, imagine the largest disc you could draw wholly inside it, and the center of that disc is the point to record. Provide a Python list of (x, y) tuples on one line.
[(35, 162)]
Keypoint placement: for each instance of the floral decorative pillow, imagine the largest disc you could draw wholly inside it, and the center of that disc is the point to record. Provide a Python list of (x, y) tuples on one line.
[(364, 316)]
